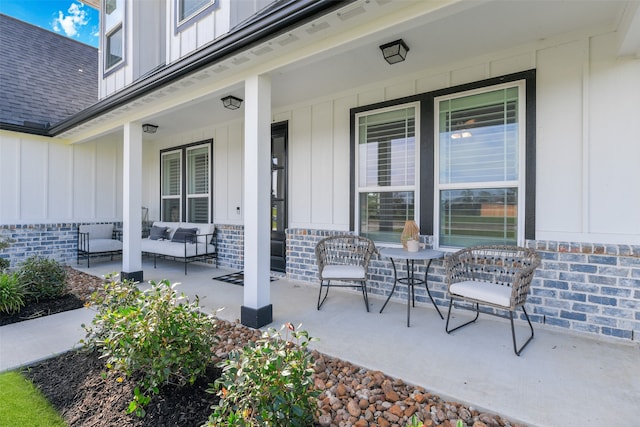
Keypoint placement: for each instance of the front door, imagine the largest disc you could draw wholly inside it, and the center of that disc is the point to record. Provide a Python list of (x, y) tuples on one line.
[(279, 137)]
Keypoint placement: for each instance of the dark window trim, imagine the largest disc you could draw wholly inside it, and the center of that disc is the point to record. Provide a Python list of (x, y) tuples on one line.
[(427, 149), (186, 23), (183, 170)]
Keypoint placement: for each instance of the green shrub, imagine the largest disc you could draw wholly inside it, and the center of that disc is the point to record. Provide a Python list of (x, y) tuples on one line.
[(42, 278), (4, 264), (156, 337), (267, 383), (11, 293)]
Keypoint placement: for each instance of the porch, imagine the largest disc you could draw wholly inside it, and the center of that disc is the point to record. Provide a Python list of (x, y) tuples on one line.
[(560, 379)]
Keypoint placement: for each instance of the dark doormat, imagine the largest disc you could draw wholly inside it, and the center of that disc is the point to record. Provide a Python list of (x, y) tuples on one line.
[(237, 278)]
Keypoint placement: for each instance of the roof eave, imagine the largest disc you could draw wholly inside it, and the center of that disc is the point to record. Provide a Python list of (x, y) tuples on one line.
[(290, 14)]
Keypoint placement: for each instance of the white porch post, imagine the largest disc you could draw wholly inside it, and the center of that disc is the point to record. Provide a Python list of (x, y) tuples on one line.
[(257, 310), (132, 203)]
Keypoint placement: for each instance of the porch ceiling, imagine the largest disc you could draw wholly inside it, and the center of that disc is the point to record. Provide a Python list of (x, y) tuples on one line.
[(438, 34)]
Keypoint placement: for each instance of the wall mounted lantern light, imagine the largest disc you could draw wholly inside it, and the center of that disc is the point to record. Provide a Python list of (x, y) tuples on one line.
[(149, 128), (231, 102), (395, 51)]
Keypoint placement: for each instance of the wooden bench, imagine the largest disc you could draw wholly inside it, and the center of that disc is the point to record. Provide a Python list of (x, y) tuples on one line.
[(494, 276)]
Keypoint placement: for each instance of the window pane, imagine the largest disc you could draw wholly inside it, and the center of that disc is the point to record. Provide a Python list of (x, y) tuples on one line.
[(189, 7), (383, 214), (114, 48), (171, 210), (198, 168), (171, 174), (198, 209), (386, 149), (478, 217), (113, 13), (479, 137)]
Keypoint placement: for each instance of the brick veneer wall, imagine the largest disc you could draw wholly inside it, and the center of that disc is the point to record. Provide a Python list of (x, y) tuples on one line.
[(59, 242), (230, 239), (586, 288)]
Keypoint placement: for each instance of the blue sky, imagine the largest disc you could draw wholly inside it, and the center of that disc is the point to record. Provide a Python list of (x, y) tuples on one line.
[(69, 18)]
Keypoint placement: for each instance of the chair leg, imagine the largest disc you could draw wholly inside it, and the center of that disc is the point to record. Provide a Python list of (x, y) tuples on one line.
[(446, 328), (513, 332), (364, 294), (320, 292)]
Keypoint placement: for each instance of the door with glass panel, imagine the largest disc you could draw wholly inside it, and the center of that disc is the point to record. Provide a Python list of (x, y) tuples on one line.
[(279, 137)]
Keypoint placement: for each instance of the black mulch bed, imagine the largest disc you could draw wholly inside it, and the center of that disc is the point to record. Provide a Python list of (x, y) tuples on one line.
[(74, 385), (42, 308)]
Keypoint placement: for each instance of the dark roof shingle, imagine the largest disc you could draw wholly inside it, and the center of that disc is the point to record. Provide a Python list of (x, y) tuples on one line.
[(45, 78)]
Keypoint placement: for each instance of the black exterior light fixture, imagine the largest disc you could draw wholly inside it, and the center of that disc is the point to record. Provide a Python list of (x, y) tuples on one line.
[(231, 102), (395, 51), (149, 128)]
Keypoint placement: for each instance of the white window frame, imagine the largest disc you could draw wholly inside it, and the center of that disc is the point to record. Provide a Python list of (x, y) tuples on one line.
[(519, 183), (414, 188)]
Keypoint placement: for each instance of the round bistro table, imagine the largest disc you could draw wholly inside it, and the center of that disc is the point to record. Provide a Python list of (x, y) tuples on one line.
[(410, 279)]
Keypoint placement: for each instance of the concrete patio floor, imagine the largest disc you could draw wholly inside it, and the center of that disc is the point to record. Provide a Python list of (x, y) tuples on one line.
[(561, 379)]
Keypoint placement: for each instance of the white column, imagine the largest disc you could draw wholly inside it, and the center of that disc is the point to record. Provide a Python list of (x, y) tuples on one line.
[(132, 203), (257, 311)]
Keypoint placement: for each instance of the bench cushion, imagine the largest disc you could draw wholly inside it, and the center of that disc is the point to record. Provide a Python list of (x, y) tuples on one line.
[(343, 272), (158, 233), (185, 235), (173, 227), (483, 291), (174, 249)]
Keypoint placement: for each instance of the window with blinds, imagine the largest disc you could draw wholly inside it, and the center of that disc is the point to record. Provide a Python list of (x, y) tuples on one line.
[(478, 179), (171, 191), (198, 184), (386, 172), (185, 184)]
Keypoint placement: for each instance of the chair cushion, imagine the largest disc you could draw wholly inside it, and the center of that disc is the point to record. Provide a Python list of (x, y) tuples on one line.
[(185, 235), (97, 231), (104, 245), (159, 233), (343, 272), (483, 291)]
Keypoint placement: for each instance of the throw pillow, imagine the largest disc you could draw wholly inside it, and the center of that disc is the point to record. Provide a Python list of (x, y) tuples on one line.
[(158, 233), (185, 235)]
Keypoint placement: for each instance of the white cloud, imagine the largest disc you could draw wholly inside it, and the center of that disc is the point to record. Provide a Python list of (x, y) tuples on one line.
[(70, 23)]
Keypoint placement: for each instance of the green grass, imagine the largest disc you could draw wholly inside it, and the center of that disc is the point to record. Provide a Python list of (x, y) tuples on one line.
[(22, 405)]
